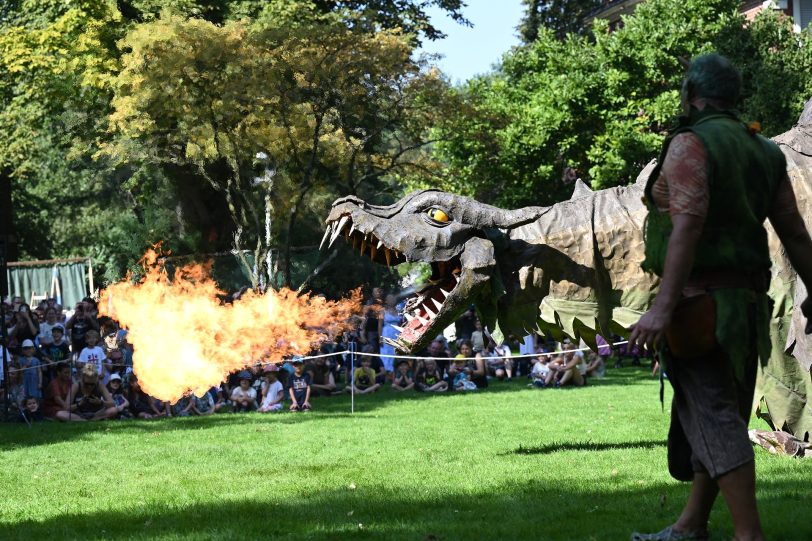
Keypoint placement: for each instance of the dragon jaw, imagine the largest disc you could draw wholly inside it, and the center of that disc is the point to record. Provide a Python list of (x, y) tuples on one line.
[(462, 261)]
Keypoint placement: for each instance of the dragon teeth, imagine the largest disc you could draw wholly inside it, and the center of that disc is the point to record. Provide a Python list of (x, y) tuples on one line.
[(421, 320), (380, 243), (363, 244), (408, 316), (444, 292), (337, 231), (388, 255), (437, 304), (399, 329), (457, 278), (431, 314), (324, 238), (352, 229)]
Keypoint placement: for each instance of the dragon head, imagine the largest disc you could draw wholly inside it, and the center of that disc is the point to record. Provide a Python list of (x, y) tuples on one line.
[(456, 235)]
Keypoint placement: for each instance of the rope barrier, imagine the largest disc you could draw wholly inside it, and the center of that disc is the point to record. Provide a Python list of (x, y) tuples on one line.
[(357, 353)]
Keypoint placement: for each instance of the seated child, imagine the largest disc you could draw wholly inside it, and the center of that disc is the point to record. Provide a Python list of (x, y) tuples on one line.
[(595, 366), (244, 396), (30, 411), (299, 387), (203, 405), (272, 392), (429, 379), (117, 393), (540, 370), (31, 368), (462, 377), (363, 380), (93, 354), (403, 380)]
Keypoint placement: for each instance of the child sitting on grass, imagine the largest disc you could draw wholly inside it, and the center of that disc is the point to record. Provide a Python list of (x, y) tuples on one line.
[(299, 387), (272, 392), (403, 380), (462, 377), (244, 396), (116, 391), (540, 371), (363, 380), (429, 379)]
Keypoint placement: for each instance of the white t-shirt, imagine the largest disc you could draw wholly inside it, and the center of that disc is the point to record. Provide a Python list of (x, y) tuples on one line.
[(271, 393), (95, 356), (540, 370), (238, 393), (45, 336)]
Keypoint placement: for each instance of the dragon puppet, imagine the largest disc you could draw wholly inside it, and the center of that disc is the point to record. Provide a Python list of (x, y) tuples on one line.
[(570, 269)]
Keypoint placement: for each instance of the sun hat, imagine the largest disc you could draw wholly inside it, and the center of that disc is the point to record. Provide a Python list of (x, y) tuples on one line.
[(27, 343), (115, 376)]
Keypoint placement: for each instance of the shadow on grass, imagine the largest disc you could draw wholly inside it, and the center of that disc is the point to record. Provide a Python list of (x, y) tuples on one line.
[(515, 511), (555, 447), (19, 435)]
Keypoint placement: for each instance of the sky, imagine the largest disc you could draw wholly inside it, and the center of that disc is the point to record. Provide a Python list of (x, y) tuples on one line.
[(472, 51)]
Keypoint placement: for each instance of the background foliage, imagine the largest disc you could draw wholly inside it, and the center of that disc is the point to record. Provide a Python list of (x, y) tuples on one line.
[(198, 122)]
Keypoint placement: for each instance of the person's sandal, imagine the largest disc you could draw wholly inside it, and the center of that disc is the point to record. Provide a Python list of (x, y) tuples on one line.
[(670, 534)]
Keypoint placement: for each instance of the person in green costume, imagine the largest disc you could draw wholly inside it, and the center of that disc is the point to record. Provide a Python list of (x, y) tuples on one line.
[(716, 182)]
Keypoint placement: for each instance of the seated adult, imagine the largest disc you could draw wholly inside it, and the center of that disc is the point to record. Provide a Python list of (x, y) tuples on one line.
[(564, 369), (322, 381), (57, 394), (500, 364), (474, 365), (91, 399), (142, 406)]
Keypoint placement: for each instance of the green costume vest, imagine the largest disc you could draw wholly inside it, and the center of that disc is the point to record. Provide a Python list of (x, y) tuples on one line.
[(744, 172)]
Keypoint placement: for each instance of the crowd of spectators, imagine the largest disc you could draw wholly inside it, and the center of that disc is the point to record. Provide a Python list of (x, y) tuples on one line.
[(77, 366)]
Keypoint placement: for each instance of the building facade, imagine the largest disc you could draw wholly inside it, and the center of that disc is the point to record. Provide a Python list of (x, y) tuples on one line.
[(799, 10)]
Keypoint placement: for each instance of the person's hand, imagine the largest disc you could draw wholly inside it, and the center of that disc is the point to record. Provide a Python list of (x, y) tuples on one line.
[(293, 406), (306, 404), (806, 310), (650, 329)]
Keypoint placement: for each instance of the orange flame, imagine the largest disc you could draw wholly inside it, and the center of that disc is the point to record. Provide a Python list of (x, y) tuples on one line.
[(185, 340)]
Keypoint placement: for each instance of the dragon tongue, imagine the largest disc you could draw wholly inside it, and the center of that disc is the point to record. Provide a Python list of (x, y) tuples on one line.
[(412, 330)]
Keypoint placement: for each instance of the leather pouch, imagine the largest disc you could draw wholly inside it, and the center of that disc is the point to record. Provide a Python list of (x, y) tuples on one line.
[(692, 332)]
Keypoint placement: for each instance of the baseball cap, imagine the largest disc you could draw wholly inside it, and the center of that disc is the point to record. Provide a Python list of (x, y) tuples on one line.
[(245, 374), (297, 359), (59, 328), (270, 368), (115, 376), (27, 343)]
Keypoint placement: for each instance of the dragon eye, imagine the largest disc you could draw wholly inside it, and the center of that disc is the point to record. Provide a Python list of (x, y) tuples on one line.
[(438, 215)]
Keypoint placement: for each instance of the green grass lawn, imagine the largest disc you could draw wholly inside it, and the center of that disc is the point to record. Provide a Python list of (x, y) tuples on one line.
[(508, 463)]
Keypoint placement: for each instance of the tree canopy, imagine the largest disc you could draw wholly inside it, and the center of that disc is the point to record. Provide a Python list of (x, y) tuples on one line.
[(598, 106)]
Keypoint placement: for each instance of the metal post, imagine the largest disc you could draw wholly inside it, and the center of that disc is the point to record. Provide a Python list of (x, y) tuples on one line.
[(3, 329), (353, 347)]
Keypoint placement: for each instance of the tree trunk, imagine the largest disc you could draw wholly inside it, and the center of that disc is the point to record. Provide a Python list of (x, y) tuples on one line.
[(8, 233)]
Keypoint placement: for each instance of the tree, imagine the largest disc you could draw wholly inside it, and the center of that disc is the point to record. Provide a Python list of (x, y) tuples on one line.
[(597, 107), (563, 17), (270, 117), (58, 63)]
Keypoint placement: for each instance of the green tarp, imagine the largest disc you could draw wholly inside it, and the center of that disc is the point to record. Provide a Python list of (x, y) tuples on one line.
[(65, 280)]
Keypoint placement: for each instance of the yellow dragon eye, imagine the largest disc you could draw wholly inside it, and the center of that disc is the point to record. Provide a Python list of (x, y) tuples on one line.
[(438, 215)]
